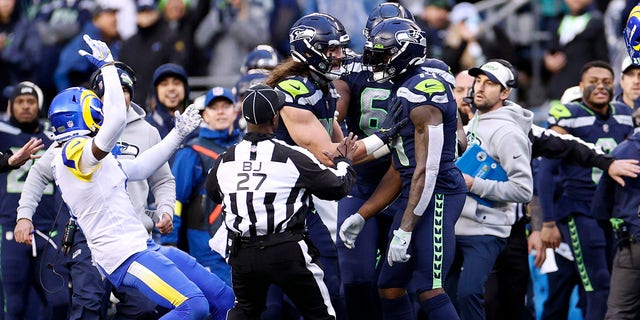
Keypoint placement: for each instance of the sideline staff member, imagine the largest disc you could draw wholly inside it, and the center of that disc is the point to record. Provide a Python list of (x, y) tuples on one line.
[(265, 186)]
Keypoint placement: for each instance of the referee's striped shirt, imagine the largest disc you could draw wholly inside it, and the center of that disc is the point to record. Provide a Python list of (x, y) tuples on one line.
[(265, 185)]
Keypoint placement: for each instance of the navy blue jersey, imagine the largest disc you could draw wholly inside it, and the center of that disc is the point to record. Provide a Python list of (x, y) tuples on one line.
[(617, 201), (303, 93), (421, 88), (367, 109), (606, 131), (11, 138)]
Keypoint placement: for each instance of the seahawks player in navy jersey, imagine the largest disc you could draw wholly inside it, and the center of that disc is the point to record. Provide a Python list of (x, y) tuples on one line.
[(425, 149), (21, 266), (317, 43), (597, 120), (363, 105)]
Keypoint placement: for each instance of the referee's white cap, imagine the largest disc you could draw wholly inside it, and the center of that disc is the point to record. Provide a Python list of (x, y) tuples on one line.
[(261, 103)]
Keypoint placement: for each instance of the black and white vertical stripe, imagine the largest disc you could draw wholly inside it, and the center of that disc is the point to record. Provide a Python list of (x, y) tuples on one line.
[(265, 185)]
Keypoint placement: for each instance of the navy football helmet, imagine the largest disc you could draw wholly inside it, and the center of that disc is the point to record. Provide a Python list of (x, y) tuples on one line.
[(392, 47), (310, 38), (383, 12), (247, 81), (75, 112), (125, 73), (263, 59)]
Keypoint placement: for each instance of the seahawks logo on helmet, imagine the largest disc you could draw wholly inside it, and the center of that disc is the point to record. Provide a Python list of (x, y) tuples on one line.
[(410, 35), (302, 32), (124, 79)]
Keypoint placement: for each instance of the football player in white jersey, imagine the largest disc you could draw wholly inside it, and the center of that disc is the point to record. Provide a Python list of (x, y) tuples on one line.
[(92, 183)]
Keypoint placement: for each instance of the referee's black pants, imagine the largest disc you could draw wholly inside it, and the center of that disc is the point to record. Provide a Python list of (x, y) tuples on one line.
[(291, 265)]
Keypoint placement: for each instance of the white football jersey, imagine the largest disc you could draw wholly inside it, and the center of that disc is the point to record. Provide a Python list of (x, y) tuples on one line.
[(100, 202)]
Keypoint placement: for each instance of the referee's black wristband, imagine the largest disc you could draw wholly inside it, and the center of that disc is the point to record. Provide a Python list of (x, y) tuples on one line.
[(341, 159)]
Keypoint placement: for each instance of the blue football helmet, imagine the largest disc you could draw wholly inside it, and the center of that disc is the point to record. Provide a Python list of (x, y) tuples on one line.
[(631, 35), (392, 47), (311, 36), (75, 112), (262, 59), (247, 81), (383, 12)]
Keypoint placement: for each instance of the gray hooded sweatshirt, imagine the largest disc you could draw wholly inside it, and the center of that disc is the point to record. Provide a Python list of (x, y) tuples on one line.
[(503, 134)]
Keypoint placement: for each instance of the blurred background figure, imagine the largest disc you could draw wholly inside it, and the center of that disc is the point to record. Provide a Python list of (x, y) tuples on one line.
[(230, 31), (577, 37), (469, 43), (73, 69), (159, 43)]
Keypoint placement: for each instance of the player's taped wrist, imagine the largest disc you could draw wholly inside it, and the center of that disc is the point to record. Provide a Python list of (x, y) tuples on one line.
[(372, 143)]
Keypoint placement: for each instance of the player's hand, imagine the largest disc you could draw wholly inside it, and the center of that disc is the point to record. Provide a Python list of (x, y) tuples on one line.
[(188, 121), (398, 247), (550, 235), (392, 123), (350, 230), (165, 225), (23, 231), (27, 152), (100, 52), (534, 242), (623, 168)]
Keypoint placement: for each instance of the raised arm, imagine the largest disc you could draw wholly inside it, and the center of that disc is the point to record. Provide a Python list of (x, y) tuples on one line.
[(150, 160)]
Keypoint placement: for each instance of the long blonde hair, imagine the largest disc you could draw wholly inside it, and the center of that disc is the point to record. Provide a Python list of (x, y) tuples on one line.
[(286, 69)]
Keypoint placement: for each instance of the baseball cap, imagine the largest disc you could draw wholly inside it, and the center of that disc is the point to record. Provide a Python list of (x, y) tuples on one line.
[(143, 5), (571, 94), (261, 104), (626, 64), (495, 71), (104, 6), (218, 92)]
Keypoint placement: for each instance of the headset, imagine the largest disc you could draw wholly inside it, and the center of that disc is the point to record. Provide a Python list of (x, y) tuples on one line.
[(513, 83)]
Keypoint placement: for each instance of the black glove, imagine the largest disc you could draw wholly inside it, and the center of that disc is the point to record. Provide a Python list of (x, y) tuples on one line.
[(392, 123)]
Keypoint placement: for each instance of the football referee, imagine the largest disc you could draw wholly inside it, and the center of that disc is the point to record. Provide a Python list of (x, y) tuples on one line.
[(265, 186)]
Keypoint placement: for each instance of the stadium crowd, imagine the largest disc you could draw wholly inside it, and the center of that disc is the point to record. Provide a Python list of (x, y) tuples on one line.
[(361, 159)]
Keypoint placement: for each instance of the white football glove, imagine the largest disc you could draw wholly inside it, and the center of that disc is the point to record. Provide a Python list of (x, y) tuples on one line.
[(398, 247), (188, 121), (350, 230), (101, 54)]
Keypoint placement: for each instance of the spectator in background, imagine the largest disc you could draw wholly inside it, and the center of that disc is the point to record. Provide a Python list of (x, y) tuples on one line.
[(231, 31), (10, 24), (283, 15), (183, 21), (73, 69), (469, 42), (170, 94), (158, 43), (629, 83), (434, 20), (56, 22), (191, 165), (464, 84), (577, 37)]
